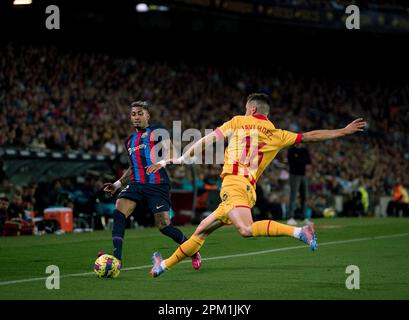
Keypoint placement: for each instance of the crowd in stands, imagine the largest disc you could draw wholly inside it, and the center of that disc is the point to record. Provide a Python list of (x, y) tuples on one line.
[(71, 101)]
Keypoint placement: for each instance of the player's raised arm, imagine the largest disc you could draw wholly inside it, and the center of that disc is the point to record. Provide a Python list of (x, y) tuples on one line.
[(220, 133), (322, 135), (199, 145)]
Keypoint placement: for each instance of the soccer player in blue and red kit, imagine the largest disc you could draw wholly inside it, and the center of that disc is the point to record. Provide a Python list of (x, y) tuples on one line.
[(139, 187)]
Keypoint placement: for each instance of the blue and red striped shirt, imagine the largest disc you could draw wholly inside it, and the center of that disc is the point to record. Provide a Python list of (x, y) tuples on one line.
[(139, 147)]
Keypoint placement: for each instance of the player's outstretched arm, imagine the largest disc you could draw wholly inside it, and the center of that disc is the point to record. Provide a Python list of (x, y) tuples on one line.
[(322, 135), (199, 145)]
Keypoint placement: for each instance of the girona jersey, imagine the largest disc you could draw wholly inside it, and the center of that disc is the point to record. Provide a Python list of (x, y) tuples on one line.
[(142, 153), (253, 143)]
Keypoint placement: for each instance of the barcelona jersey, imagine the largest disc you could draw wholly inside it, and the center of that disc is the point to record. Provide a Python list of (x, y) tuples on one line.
[(143, 151), (253, 143)]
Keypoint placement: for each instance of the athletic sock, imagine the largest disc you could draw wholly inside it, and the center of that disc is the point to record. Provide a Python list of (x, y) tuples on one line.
[(270, 228), (297, 232), (172, 232), (186, 249), (118, 233)]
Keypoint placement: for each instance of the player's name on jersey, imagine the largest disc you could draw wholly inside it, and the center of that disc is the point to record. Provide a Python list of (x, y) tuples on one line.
[(259, 128)]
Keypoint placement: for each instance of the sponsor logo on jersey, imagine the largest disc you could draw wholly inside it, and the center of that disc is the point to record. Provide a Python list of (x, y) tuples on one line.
[(141, 146)]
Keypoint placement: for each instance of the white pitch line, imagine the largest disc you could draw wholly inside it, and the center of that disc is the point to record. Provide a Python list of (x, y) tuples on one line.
[(220, 257)]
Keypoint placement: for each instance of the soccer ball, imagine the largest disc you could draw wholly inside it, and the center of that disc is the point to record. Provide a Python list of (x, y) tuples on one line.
[(329, 213), (107, 266)]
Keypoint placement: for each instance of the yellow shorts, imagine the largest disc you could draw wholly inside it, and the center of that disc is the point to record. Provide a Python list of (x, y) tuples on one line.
[(236, 192)]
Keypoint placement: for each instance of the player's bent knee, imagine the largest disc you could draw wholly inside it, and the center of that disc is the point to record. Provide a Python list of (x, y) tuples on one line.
[(201, 231), (125, 206), (161, 223), (245, 231), (162, 220), (161, 226)]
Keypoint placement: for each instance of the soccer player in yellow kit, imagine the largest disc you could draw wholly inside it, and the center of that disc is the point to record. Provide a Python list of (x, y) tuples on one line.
[(253, 143)]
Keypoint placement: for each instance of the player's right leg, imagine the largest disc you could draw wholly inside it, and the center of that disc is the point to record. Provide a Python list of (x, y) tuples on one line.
[(125, 205), (238, 203), (187, 248), (242, 220), (271, 228), (123, 209)]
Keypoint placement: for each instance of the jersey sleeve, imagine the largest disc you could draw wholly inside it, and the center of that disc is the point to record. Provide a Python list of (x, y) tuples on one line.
[(289, 138), (226, 129)]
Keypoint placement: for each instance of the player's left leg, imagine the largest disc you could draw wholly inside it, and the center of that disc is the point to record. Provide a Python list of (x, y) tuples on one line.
[(123, 209), (188, 248), (158, 200), (162, 221), (242, 219)]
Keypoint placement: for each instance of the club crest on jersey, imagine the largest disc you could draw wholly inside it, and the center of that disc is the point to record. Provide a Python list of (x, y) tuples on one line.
[(144, 135), (225, 196), (141, 146)]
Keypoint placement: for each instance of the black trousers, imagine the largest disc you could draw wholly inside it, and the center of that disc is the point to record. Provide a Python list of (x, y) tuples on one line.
[(298, 183)]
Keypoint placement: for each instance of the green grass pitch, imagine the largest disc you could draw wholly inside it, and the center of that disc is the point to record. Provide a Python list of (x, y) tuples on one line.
[(233, 267)]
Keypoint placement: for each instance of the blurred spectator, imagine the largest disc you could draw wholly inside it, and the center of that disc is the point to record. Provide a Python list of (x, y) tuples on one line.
[(4, 179), (29, 199), (212, 180), (16, 207), (364, 199), (399, 203), (298, 159), (3, 174), (4, 205), (60, 195)]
